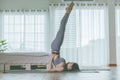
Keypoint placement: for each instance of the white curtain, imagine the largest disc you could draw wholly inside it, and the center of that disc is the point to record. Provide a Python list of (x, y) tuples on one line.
[(25, 30), (86, 36), (117, 11)]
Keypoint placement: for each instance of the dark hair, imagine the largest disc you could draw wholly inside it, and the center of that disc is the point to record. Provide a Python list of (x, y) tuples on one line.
[(75, 67)]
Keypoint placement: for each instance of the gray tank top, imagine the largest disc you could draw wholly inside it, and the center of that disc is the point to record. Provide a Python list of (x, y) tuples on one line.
[(58, 60)]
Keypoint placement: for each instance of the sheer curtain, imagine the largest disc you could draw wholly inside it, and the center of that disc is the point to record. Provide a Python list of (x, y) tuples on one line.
[(86, 36), (25, 30), (118, 33)]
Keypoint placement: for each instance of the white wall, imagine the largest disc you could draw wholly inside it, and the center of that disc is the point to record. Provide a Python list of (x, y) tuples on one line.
[(112, 31), (117, 0), (0, 27), (24, 4)]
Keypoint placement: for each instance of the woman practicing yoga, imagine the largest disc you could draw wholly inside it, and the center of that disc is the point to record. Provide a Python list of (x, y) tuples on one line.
[(58, 63)]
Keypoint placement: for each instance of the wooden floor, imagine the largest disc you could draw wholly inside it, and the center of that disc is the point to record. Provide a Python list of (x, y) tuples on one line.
[(112, 74)]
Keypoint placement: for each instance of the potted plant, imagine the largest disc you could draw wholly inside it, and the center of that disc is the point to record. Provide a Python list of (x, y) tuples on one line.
[(3, 45)]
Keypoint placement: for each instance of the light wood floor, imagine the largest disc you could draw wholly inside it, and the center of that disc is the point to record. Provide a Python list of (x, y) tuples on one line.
[(112, 74)]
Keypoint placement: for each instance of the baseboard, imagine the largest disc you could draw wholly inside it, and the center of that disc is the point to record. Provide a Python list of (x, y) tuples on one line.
[(112, 65)]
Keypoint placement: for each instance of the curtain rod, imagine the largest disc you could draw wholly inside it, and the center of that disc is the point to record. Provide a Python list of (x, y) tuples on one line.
[(23, 10), (79, 4), (117, 4)]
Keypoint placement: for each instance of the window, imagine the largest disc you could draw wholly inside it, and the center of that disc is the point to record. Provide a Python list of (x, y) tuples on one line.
[(25, 32), (93, 37)]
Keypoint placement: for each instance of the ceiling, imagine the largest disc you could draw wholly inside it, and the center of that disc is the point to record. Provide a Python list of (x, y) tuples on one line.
[(56, 1)]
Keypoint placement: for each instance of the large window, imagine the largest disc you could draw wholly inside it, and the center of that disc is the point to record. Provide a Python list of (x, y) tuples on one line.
[(93, 32), (86, 36), (25, 32)]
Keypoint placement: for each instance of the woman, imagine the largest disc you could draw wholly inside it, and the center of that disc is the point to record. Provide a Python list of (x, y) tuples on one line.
[(58, 63)]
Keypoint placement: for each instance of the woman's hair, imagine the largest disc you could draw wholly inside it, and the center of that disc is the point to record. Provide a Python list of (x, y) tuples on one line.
[(75, 67)]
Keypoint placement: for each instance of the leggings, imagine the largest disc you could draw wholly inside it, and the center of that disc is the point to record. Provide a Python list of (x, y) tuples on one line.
[(57, 42)]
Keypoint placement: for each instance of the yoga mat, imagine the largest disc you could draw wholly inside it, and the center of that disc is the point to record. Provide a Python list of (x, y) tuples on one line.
[(45, 71)]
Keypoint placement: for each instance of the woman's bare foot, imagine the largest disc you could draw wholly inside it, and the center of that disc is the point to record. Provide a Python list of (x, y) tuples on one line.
[(70, 7)]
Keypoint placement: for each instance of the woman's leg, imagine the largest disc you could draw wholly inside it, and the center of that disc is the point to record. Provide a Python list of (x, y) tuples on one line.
[(57, 42)]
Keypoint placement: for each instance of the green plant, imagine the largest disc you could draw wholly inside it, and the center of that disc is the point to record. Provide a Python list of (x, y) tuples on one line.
[(3, 45)]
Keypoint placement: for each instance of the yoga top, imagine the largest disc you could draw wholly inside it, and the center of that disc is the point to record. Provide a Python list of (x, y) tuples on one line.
[(58, 60)]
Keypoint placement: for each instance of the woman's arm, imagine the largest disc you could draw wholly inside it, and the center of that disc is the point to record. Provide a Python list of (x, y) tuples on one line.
[(50, 64), (56, 69), (51, 67)]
